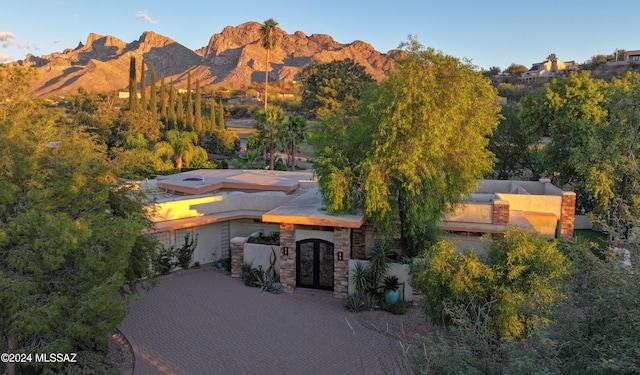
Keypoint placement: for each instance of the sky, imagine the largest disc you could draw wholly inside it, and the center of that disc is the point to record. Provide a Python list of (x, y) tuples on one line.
[(488, 33)]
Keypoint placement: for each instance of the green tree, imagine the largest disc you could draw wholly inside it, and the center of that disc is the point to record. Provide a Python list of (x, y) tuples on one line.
[(133, 85), (163, 100), (596, 329), (221, 124), (143, 86), (181, 147), (269, 135), (189, 117), (180, 116), (515, 147), (294, 132), (172, 117), (329, 87), (153, 97), (492, 72), (410, 166), (517, 286), (60, 265), (571, 110), (270, 37), (614, 177), (197, 122), (516, 69)]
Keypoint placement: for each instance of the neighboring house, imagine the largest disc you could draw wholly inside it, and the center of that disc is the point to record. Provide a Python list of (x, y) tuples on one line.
[(548, 69), (224, 207), (632, 56)]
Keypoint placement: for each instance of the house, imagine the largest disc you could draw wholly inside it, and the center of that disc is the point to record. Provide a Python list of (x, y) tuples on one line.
[(224, 207), (632, 56), (548, 69)]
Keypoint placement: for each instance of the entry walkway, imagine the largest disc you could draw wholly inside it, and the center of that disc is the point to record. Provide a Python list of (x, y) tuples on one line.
[(205, 322)]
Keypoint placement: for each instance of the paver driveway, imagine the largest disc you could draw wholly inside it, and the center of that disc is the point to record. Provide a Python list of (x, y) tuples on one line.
[(205, 322)]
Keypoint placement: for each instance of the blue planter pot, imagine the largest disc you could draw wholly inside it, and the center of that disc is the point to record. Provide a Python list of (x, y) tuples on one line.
[(391, 297)]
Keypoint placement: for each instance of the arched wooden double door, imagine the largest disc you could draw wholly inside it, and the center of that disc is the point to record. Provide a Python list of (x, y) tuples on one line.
[(314, 264)]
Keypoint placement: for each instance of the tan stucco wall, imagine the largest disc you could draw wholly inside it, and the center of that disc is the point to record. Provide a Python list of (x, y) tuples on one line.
[(534, 203), (472, 213), (244, 227), (194, 207)]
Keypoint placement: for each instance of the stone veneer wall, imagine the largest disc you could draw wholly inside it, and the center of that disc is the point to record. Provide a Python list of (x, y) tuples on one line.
[(288, 261), (358, 243), (237, 255), (341, 243), (501, 212), (567, 215)]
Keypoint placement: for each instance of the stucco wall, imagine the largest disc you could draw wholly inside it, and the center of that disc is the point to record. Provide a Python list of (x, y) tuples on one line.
[(401, 271), (244, 227), (209, 242), (201, 206), (472, 212), (262, 255), (535, 203)]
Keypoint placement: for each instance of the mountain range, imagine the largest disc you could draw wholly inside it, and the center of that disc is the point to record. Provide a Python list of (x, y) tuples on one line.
[(232, 57)]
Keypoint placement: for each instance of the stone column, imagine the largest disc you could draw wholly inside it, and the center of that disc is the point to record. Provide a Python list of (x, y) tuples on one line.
[(237, 255), (341, 245), (501, 212), (567, 214), (288, 256)]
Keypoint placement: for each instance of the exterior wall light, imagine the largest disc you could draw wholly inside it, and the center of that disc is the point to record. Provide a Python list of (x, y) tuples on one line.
[(285, 250), (340, 255)]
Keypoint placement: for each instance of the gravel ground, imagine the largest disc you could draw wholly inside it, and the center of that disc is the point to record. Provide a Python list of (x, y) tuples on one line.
[(404, 327)]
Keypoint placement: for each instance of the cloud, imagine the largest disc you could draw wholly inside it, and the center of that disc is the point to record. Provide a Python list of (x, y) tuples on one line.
[(5, 58), (6, 39), (57, 41), (144, 17)]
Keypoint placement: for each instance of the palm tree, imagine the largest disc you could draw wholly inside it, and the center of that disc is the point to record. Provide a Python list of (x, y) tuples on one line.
[(181, 147), (294, 133), (270, 39), (269, 124)]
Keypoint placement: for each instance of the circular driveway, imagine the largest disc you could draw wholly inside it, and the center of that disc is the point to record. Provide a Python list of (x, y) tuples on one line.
[(205, 322)]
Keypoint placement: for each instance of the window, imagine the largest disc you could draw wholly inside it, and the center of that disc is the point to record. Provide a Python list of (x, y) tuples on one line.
[(180, 235), (163, 238)]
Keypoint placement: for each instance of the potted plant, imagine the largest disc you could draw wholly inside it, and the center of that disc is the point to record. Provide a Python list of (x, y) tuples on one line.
[(391, 286)]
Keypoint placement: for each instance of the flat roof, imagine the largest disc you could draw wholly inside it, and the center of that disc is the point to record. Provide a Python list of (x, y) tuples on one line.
[(307, 209), (204, 181)]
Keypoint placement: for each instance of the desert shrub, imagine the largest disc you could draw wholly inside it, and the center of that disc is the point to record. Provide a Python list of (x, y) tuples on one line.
[(361, 302), (521, 279), (272, 239), (164, 262), (252, 276), (87, 363)]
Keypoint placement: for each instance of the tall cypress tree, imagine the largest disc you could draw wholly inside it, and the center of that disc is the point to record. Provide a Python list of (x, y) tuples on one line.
[(221, 124), (213, 108), (172, 119), (143, 87), (153, 105), (189, 124), (133, 92), (197, 124), (180, 113), (163, 100)]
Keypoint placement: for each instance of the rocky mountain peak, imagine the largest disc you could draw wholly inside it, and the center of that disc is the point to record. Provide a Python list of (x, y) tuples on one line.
[(233, 56)]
